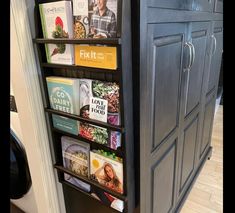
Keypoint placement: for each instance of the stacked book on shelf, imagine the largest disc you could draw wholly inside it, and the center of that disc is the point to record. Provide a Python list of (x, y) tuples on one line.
[(92, 102), (80, 19), (93, 99), (99, 166)]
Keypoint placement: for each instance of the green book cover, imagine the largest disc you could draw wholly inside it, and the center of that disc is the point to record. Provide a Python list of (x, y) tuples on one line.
[(64, 96)]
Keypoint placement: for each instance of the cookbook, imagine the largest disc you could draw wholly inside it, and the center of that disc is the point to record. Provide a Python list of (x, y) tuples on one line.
[(99, 100), (90, 23), (107, 169), (96, 56), (76, 158), (64, 96), (57, 22)]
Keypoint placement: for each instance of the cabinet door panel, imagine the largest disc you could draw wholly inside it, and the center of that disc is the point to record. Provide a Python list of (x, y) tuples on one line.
[(163, 182), (200, 31), (171, 4), (207, 126), (218, 6), (217, 49), (163, 71), (165, 66), (203, 5), (188, 152)]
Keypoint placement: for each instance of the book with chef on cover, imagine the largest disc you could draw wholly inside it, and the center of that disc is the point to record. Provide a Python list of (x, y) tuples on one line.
[(64, 96), (95, 19), (57, 22), (75, 155)]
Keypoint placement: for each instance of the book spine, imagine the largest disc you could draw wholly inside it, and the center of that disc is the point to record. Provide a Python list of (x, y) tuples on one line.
[(76, 95), (69, 19), (42, 15)]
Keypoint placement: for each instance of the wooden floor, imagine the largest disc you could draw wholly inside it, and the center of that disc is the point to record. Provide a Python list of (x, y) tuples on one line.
[(207, 193)]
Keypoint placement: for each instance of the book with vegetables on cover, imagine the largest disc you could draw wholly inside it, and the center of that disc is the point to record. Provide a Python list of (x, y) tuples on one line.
[(99, 100), (64, 96), (76, 158), (57, 22)]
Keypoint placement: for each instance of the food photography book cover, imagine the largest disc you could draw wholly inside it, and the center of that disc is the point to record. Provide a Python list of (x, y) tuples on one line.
[(76, 158), (57, 22), (100, 101)]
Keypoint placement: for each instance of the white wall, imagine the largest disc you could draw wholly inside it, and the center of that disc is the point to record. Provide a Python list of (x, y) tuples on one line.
[(29, 123)]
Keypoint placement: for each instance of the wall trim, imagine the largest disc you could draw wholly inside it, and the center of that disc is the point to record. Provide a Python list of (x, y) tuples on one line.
[(47, 189)]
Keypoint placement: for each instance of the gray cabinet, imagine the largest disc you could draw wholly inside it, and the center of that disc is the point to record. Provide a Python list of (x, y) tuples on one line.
[(207, 126), (218, 6), (165, 54), (180, 56), (188, 154), (199, 32), (203, 5), (171, 4), (174, 76), (216, 55), (194, 5)]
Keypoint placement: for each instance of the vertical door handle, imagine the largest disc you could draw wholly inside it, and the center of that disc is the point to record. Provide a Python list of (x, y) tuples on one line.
[(215, 43), (193, 54), (190, 56)]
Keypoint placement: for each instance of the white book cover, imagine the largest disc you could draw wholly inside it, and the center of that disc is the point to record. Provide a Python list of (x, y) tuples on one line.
[(57, 22)]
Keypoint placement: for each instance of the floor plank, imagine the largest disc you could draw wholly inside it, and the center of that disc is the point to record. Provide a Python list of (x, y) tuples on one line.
[(206, 195)]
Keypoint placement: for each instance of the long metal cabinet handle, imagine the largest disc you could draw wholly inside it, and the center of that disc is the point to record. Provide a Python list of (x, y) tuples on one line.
[(190, 55), (193, 54), (215, 44)]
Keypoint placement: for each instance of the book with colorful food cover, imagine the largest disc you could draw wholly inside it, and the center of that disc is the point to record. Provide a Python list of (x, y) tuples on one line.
[(99, 100), (76, 158), (57, 22), (107, 170), (64, 96), (81, 20)]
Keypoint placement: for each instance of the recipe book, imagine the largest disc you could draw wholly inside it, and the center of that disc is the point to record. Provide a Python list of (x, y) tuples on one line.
[(57, 22), (64, 96)]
